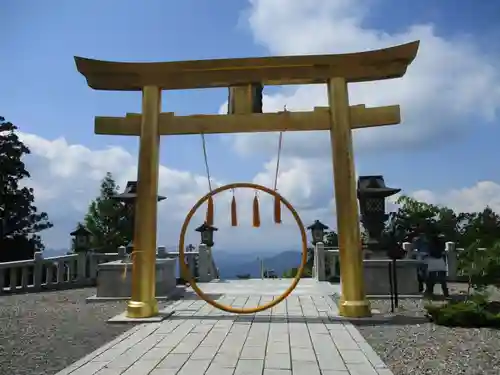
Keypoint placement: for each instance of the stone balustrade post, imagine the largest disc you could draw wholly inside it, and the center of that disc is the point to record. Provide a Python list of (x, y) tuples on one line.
[(93, 263), (2, 279), (81, 266), (451, 260), (191, 261), (333, 258), (122, 252), (38, 270), (162, 252), (203, 263), (319, 262), (61, 271), (314, 271), (212, 268), (408, 249), (129, 248)]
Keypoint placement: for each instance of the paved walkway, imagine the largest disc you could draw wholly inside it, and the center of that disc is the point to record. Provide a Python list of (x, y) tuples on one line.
[(297, 337)]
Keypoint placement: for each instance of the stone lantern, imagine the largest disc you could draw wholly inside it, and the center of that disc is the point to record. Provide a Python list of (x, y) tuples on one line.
[(82, 238), (372, 193), (128, 198), (317, 231), (207, 234)]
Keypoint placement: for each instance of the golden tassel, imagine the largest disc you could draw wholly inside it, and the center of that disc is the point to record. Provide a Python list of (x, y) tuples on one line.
[(210, 212), (234, 217), (277, 210), (256, 214)]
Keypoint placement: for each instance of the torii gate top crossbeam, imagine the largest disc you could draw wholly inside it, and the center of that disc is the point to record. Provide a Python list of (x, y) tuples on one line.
[(354, 67)]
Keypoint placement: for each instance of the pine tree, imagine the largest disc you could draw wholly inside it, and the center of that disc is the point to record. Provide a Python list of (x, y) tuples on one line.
[(19, 219), (108, 219)]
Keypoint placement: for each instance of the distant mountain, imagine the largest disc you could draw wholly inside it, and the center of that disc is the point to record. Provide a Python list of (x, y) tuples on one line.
[(231, 265)]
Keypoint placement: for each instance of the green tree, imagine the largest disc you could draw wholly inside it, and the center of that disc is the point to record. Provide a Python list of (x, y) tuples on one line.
[(480, 265), (331, 239), (463, 228), (480, 228), (108, 219), (470, 231), (20, 221), (413, 214)]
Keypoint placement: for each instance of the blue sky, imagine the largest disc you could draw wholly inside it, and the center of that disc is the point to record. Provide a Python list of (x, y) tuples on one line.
[(43, 37), (44, 95)]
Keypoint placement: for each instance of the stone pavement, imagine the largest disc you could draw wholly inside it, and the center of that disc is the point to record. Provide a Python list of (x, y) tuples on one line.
[(296, 337)]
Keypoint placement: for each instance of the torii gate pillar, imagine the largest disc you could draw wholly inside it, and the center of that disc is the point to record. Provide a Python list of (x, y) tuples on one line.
[(353, 300), (143, 301)]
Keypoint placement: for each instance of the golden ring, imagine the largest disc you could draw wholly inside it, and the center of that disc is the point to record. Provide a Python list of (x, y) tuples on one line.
[(189, 277)]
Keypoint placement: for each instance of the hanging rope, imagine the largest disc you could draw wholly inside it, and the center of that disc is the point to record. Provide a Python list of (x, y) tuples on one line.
[(280, 142), (277, 202), (210, 206)]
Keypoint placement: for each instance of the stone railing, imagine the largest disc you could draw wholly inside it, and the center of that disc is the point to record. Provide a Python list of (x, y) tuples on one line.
[(67, 271), (451, 254), (375, 269), (327, 258)]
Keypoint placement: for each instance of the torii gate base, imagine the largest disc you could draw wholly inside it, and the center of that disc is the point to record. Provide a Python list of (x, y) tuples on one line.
[(238, 74)]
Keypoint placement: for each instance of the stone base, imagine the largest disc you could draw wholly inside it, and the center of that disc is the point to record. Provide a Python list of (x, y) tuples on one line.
[(376, 272), (122, 318), (376, 317), (175, 294), (111, 284)]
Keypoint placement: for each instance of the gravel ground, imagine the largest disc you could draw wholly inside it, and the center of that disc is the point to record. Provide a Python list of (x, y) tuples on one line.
[(412, 345), (43, 333)]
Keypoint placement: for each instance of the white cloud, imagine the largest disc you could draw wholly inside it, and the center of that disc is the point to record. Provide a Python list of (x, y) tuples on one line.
[(468, 199), (66, 177), (450, 85)]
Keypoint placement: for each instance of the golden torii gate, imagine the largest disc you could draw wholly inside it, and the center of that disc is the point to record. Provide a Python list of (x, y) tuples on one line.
[(239, 75)]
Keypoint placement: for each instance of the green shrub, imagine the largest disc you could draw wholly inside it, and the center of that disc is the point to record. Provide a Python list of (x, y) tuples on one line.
[(476, 312)]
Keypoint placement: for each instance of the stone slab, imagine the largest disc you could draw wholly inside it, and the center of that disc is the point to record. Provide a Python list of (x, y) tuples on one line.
[(302, 335), (123, 318)]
